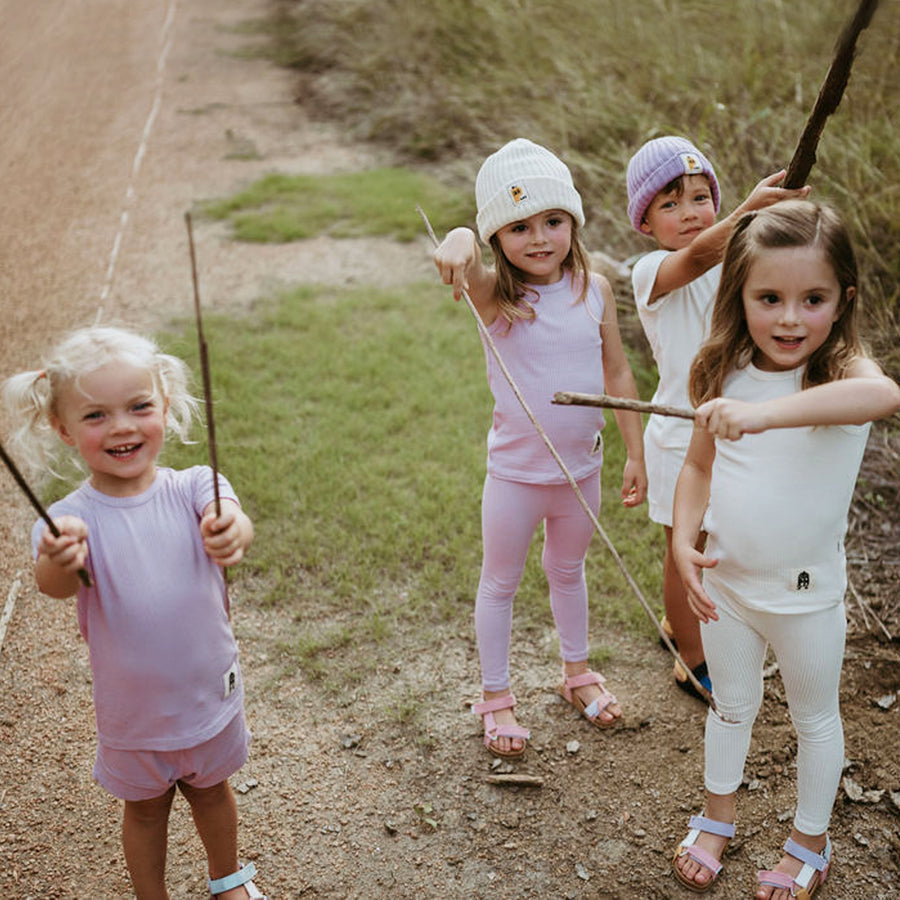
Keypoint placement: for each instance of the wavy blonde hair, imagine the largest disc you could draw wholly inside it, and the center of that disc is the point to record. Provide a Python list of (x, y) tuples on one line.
[(31, 398), (791, 223)]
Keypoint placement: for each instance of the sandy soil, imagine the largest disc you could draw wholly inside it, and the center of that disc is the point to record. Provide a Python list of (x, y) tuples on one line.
[(118, 115)]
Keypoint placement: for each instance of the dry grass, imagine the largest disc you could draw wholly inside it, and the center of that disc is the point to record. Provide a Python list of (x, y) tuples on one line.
[(447, 81)]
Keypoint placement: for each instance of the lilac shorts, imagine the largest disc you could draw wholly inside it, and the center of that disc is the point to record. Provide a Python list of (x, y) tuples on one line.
[(146, 774)]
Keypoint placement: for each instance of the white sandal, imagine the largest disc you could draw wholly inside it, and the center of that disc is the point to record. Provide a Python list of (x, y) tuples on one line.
[(236, 879)]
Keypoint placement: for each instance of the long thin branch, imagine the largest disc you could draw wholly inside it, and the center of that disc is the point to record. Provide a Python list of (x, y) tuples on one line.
[(204, 370)]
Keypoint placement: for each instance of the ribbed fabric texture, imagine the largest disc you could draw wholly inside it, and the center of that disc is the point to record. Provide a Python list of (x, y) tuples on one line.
[(656, 164), (809, 649), (520, 180)]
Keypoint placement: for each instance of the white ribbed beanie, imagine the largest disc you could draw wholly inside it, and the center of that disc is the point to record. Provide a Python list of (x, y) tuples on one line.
[(521, 179)]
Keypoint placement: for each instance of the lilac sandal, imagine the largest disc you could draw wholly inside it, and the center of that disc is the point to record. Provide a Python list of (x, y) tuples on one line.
[(236, 879), (486, 709), (814, 864), (697, 825)]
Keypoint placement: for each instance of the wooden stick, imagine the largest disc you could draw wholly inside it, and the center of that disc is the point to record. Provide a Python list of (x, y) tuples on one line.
[(573, 398), (204, 369), (707, 695), (829, 95), (23, 484), (515, 779)]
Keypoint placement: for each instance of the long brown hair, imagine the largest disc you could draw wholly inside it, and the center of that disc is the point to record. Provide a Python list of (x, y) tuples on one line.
[(512, 283), (792, 223)]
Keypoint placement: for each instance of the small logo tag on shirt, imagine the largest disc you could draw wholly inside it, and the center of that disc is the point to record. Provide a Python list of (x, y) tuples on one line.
[(598, 444), (801, 580), (230, 680)]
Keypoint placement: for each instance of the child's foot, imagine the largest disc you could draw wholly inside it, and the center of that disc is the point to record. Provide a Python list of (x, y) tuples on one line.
[(236, 886), (700, 672), (694, 873), (585, 691), (502, 736), (805, 864)]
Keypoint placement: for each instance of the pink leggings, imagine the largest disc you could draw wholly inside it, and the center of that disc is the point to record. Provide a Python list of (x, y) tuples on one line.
[(510, 513)]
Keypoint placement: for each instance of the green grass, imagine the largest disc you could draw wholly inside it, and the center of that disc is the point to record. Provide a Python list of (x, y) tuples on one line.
[(280, 208), (448, 81), (353, 425)]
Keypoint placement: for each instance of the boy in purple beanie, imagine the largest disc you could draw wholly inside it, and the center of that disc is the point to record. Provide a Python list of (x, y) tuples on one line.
[(673, 197)]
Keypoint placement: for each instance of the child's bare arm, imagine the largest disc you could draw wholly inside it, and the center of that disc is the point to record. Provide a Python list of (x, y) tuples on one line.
[(226, 537), (866, 395), (706, 250), (458, 259), (691, 500), (60, 558), (619, 382)]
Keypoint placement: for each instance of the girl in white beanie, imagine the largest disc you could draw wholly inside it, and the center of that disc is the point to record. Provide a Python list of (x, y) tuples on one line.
[(554, 323)]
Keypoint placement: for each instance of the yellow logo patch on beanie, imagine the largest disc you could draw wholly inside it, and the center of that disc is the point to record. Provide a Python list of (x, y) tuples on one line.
[(517, 193), (692, 165)]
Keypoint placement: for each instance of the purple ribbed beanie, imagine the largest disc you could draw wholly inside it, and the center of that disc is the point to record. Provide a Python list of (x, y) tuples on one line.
[(656, 164)]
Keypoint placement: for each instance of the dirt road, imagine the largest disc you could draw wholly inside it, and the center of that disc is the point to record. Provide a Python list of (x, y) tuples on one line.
[(117, 116)]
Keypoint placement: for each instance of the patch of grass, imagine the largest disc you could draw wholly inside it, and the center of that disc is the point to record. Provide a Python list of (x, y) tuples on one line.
[(280, 208), (353, 424)]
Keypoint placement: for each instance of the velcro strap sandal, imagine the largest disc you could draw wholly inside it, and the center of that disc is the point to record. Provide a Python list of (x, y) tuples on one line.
[(236, 879), (493, 730), (698, 825), (815, 865), (591, 711)]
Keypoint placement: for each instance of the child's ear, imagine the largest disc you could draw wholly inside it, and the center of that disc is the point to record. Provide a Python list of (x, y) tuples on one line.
[(645, 227), (57, 425), (849, 294)]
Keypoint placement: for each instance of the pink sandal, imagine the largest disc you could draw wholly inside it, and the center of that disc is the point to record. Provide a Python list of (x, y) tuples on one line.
[(492, 731), (591, 711), (697, 825), (813, 864)]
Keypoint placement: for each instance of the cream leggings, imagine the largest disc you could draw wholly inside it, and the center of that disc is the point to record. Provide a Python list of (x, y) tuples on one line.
[(809, 648), (510, 513)]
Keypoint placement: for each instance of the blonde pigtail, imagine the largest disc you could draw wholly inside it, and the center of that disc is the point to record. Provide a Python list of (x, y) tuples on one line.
[(32, 442), (173, 377)]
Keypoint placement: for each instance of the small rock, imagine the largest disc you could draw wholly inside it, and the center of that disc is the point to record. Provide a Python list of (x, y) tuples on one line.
[(753, 785), (246, 786), (349, 741), (582, 872), (592, 814), (861, 839), (887, 701), (573, 747), (390, 827)]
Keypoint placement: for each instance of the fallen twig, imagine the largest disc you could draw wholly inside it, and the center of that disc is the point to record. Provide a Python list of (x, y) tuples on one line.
[(523, 780)]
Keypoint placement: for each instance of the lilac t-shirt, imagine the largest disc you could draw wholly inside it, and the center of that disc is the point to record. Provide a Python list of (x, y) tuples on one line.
[(163, 656)]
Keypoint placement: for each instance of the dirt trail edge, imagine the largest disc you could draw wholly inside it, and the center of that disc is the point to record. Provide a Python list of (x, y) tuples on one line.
[(337, 800)]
